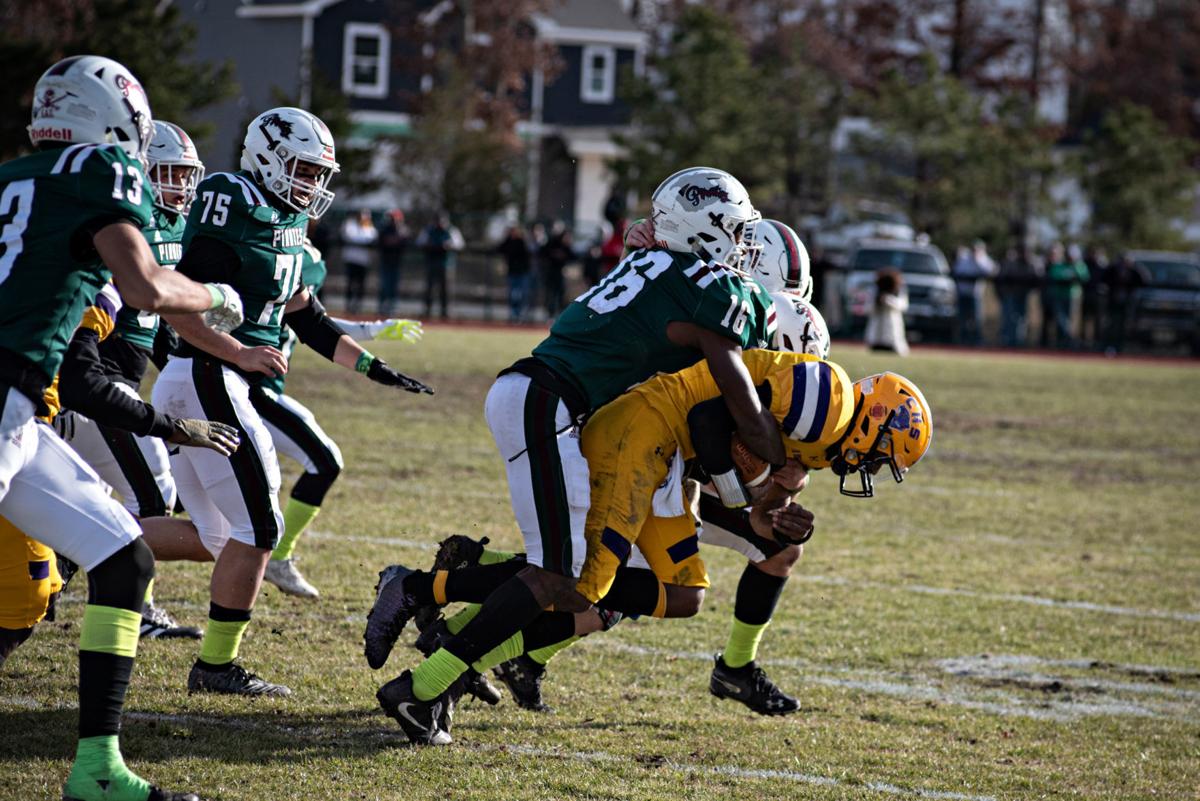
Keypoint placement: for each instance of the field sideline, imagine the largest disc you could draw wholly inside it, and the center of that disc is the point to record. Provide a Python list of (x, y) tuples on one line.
[(1020, 619)]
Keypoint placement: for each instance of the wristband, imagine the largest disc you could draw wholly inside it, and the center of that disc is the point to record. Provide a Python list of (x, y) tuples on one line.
[(730, 489), (364, 362), (218, 297)]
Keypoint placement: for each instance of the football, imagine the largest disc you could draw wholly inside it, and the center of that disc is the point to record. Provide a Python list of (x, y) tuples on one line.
[(753, 470)]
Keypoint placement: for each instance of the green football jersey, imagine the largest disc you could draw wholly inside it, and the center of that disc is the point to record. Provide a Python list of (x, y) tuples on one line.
[(165, 237), (312, 276), (45, 282), (615, 335), (269, 244)]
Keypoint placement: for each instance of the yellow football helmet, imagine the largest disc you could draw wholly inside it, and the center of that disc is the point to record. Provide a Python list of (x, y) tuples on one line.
[(892, 425)]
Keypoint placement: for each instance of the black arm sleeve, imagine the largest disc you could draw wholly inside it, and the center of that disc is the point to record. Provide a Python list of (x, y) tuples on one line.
[(711, 426), (736, 522), (315, 328), (209, 260), (83, 387)]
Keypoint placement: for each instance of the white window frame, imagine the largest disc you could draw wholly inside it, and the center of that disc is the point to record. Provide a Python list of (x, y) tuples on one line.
[(362, 30), (586, 92)]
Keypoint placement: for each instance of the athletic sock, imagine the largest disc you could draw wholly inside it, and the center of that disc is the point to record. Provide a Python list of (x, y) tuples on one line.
[(99, 773), (548, 629), (108, 643), (511, 648), (297, 516), (490, 557), (544, 655), (458, 621), (476, 584), (432, 677), (149, 596), (223, 636), (757, 595)]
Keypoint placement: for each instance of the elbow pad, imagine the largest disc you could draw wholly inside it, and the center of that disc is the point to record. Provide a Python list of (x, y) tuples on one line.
[(315, 328)]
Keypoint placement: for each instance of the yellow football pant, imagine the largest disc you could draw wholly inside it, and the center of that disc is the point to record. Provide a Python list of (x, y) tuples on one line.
[(28, 577), (628, 446)]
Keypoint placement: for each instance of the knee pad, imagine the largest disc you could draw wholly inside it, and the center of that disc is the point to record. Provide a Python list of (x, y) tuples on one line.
[(120, 581)]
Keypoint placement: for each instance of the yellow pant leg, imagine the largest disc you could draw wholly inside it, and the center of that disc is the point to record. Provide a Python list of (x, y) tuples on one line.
[(671, 546), (28, 577), (628, 447)]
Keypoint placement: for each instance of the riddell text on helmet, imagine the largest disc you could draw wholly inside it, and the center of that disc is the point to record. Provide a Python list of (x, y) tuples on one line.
[(53, 134)]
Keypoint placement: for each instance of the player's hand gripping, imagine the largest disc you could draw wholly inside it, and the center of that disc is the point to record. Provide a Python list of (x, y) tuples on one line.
[(262, 359), (791, 524), (381, 373), (209, 434), (226, 313)]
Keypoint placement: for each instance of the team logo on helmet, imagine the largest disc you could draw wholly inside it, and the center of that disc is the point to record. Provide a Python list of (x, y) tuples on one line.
[(282, 126), (48, 103), (695, 194)]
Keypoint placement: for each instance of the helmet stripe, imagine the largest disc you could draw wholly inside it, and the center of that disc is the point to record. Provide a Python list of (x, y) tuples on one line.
[(793, 266), (811, 384)]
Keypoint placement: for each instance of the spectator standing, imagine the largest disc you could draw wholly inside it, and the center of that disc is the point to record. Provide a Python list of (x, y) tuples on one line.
[(593, 263), (1122, 280), (885, 325), (393, 241), (518, 256), (440, 241), (614, 247), (1065, 278), (358, 241), (970, 267), (1018, 275), (1091, 318), (555, 256)]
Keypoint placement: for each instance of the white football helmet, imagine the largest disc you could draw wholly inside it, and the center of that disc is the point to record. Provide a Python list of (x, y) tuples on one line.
[(91, 99), (277, 141), (705, 211), (800, 328), (175, 167), (778, 259)]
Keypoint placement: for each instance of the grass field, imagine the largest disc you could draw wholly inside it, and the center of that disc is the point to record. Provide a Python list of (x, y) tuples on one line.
[(1019, 619)]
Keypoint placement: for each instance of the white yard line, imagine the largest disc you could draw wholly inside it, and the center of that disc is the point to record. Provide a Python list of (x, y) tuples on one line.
[(1085, 606)]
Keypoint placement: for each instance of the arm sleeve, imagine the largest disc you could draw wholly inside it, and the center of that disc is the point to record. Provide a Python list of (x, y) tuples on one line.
[(85, 388), (315, 328), (209, 260), (358, 331), (711, 426)]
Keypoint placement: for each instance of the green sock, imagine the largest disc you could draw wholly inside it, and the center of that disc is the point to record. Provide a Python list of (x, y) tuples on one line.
[(458, 622), (98, 760), (221, 641), (296, 517), (495, 557), (511, 648), (544, 655), (432, 677), (743, 643), (149, 595)]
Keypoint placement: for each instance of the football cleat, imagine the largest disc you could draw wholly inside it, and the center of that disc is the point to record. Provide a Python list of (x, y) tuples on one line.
[(454, 553), (388, 616), (284, 575), (749, 685), (233, 680), (523, 678), (472, 682), (156, 794), (157, 624), (421, 720)]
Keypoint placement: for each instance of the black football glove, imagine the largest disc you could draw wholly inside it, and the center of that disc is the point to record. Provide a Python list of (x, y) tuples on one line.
[(380, 373)]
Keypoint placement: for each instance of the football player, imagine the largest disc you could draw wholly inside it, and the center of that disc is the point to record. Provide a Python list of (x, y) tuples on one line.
[(72, 211), (296, 433), (660, 310), (248, 229), (118, 435)]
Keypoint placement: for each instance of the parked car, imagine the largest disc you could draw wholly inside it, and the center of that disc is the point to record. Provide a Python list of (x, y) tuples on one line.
[(1167, 310), (846, 224), (932, 302)]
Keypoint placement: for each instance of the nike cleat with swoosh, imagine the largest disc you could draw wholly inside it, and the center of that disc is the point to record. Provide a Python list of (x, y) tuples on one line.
[(750, 685), (420, 720)]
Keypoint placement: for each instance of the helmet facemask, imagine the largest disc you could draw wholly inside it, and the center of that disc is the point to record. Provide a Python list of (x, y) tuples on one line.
[(867, 464), (294, 187), (175, 178)]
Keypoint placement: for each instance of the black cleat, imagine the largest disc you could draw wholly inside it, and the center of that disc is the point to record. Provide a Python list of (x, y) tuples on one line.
[(472, 682), (156, 794), (523, 678), (454, 553), (749, 685), (391, 611), (233, 680), (157, 623), (422, 721)]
